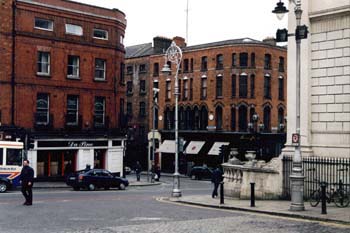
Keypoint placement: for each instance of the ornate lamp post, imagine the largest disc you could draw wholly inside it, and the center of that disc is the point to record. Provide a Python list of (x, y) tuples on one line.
[(174, 55), (297, 177)]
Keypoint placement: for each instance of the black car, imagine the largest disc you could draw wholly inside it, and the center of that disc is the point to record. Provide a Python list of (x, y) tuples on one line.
[(94, 179), (201, 172), (5, 184)]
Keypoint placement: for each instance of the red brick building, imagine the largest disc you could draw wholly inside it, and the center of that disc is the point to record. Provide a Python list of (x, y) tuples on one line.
[(62, 81), (222, 85)]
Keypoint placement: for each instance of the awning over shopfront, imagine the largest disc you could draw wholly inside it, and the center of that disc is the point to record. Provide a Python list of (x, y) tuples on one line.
[(168, 146), (215, 149), (194, 147)]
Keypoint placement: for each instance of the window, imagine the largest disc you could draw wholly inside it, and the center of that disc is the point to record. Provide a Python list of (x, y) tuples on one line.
[(142, 86), (42, 109), (43, 63), (73, 67), (218, 117), (13, 157), (142, 109), (281, 125), (233, 86), (267, 119), (72, 110), (129, 87), (99, 111), (243, 85), (219, 86), (243, 59), (129, 109), (168, 90), (43, 24), (122, 67), (203, 88), (74, 29), (191, 88), (281, 88), (121, 39), (204, 63), (267, 87), (234, 58), (252, 86), (281, 65), (252, 60), (142, 68), (267, 62), (1, 158), (155, 84), (203, 118), (191, 65), (100, 34), (186, 65), (155, 69), (233, 118), (129, 70), (242, 120), (185, 90), (100, 69), (219, 62)]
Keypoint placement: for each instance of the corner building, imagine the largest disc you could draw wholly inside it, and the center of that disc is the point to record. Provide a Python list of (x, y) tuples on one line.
[(62, 89), (221, 86)]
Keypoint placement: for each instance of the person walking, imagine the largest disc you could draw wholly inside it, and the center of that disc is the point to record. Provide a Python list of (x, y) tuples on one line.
[(138, 170), (27, 176), (216, 179)]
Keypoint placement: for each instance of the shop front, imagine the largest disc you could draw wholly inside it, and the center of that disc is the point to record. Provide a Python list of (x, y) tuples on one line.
[(53, 159)]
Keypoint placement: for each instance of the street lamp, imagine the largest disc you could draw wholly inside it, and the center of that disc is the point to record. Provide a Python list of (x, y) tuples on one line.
[(155, 101), (174, 55), (297, 177)]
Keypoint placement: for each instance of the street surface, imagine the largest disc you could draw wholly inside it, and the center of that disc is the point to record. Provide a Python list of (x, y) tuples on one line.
[(138, 209)]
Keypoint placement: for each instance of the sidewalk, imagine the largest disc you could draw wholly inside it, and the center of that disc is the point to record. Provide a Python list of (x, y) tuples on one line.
[(277, 208)]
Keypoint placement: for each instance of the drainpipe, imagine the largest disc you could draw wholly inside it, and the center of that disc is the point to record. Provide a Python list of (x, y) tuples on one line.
[(13, 63)]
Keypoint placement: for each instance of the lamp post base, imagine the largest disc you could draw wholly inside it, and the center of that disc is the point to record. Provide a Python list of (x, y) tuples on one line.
[(176, 188), (297, 189)]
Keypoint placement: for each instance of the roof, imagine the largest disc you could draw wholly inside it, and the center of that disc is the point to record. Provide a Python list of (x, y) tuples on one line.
[(139, 50)]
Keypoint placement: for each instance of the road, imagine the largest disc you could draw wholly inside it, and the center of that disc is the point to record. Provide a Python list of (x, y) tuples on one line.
[(137, 209)]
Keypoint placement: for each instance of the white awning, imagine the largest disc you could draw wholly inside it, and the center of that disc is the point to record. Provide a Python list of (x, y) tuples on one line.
[(215, 149), (194, 147), (168, 146)]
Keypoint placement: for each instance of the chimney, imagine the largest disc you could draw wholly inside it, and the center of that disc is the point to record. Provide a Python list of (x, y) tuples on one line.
[(161, 44), (180, 41), (270, 40)]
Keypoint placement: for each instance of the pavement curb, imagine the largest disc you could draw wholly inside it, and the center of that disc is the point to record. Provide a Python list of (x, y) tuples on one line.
[(67, 187), (290, 215)]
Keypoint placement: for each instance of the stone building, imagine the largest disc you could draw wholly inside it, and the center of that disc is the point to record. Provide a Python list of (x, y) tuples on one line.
[(222, 85), (325, 79), (61, 83)]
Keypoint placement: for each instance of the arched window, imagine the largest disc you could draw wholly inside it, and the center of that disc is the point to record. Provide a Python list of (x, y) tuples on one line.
[(196, 118), (219, 86), (233, 119), (167, 124), (267, 86), (281, 125), (267, 119), (242, 120), (243, 85), (218, 117), (280, 88), (203, 118), (219, 62), (188, 123), (233, 86), (181, 118), (251, 113)]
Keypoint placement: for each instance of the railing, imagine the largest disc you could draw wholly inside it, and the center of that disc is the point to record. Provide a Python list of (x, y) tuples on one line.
[(329, 170)]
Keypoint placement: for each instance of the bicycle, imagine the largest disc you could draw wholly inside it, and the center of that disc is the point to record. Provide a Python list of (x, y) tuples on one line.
[(340, 197)]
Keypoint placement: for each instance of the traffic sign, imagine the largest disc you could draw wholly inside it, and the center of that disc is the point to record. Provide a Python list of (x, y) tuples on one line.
[(295, 138)]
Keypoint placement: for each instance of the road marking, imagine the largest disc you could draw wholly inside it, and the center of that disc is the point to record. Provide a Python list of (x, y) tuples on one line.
[(345, 226), (148, 219)]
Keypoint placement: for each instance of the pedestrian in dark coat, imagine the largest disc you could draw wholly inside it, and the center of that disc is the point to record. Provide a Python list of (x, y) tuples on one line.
[(216, 179), (157, 171), (27, 176), (138, 170)]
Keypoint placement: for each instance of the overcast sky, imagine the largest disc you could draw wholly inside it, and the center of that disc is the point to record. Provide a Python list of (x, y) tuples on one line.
[(208, 20)]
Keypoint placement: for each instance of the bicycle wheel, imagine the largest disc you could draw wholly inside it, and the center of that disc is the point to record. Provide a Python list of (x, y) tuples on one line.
[(315, 198), (342, 199)]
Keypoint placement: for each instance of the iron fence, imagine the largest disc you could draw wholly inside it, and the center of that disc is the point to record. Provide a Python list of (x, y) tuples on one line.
[(316, 170)]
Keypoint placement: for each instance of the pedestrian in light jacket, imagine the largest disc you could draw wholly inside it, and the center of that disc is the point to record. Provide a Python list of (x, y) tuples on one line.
[(27, 176)]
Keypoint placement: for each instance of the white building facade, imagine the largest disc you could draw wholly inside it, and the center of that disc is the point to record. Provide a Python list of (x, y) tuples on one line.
[(325, 79)]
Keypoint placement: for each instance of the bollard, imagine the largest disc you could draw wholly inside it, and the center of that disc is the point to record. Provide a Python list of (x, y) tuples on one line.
[(323, 197), (221, 192), (252, 194)]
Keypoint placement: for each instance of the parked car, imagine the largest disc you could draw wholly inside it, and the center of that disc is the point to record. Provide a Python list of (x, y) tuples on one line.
[(5, 184), (201, 172), (94, 179)]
